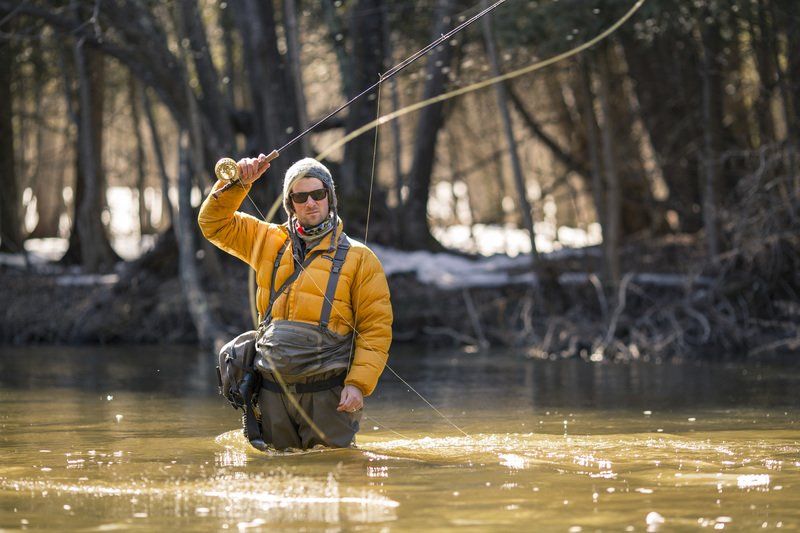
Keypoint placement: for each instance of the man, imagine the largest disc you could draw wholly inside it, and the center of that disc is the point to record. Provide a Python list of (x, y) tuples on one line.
[(324, 304)]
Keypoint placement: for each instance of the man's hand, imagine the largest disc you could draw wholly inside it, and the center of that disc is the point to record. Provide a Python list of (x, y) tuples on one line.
[(352, 400), (251, 168)]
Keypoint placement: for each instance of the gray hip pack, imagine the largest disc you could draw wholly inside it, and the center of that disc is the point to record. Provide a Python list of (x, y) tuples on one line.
[(298, 350)]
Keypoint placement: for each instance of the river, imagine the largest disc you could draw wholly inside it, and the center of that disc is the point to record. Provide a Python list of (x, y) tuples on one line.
[(136, 438)]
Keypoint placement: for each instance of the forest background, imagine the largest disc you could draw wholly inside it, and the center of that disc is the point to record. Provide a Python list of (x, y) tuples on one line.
[(653, 178)]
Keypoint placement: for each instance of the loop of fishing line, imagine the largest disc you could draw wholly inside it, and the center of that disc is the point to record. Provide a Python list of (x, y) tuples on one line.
[(482, 84), (404, 111)]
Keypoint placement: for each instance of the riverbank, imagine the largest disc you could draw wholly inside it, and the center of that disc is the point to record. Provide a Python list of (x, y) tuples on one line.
[(667, 305)]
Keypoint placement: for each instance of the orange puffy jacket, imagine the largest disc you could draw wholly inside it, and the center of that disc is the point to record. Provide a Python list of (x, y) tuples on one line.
[(362, 295)]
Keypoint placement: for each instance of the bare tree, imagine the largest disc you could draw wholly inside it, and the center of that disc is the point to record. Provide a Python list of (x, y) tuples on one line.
[(416, 230), (157, 149), (274, 114), (516, 166), (89, 243), (587, 100), (397, 145), (365, 30), (293, 51), (10, 221), (215, 120), (139, 161), (712, 117), (613, 197), (208, 327)]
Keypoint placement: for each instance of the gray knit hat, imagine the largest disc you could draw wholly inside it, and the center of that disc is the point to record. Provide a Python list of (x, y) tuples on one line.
[(308, 168)]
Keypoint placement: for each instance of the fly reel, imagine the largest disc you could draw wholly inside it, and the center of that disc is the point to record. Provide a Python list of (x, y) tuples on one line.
[(226, 169)]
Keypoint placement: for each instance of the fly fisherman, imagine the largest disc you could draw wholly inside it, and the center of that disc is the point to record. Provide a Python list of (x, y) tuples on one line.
[(315, 286)]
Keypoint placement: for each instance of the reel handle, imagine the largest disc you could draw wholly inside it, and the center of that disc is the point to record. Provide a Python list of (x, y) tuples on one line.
[(228, 170)]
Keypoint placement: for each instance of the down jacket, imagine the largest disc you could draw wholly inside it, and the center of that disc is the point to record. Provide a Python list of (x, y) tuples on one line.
[(362, 294)]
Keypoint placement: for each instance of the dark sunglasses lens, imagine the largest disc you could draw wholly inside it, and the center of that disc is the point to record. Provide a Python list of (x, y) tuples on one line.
[(302, 197), (319, 194), (299, 197)]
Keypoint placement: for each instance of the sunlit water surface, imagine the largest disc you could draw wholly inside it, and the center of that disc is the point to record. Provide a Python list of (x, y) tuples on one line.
[(136, 438)]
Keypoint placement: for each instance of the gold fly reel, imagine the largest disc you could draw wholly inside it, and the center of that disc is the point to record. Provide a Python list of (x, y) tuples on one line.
[(226, 169)]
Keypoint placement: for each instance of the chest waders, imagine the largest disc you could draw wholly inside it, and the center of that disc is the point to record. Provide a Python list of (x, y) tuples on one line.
[(288, 348)]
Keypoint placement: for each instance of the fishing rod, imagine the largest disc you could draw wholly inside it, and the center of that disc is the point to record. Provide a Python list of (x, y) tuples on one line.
[(228, 170), (380, 120)]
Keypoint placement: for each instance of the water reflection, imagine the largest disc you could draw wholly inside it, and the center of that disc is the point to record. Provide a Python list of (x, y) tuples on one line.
[(137, 438), (240, 500)]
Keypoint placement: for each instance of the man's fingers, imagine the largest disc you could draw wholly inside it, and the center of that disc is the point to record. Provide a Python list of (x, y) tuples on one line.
[(251, 168), (349, 402)]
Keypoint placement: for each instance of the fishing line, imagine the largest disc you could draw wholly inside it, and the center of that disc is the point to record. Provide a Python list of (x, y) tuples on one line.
[(394, 70), (485, 83), (409, 109), (368, 417), (369, 200), (391, 72), (476, 86)]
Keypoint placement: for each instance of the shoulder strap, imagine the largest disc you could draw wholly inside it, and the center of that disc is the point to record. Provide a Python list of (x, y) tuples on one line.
[(272, 291), (338, 262)]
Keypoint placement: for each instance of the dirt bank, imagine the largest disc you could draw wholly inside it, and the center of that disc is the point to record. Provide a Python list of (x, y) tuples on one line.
[(670, 307)]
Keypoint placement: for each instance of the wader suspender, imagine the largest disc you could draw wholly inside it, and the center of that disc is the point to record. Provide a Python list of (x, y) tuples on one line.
[(343, 246), (333, 280), (273, 294), (324, 319)]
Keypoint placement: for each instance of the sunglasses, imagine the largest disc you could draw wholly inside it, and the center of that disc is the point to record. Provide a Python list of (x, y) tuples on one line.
[(301, 197)]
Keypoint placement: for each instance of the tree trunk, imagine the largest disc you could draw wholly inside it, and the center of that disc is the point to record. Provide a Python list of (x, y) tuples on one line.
[(366, 33), (162, 168), (416, 232), (397, 144), (272, 93), (46, 180), (145, 226), (759, 38), (10, 220), (613, 199), (48, 183), (191, 162), (231, 68), (295, 67), (592, 145), (793, 62), (665, 78), (502, 105), (88, 243), (784, 83), (216, 124), (712, 116), (335, 34), (209, 331)]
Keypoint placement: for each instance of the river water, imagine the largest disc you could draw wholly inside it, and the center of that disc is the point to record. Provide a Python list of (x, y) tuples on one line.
[(137, 439)]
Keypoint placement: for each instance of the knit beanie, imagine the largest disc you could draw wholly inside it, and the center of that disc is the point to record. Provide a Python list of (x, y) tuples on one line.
[(307, 168)]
